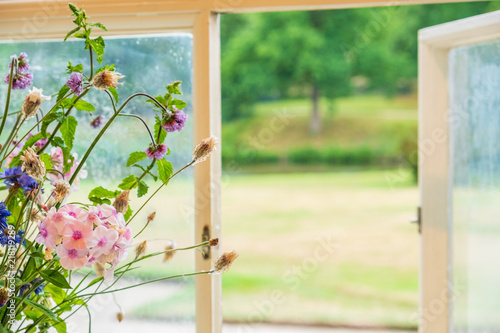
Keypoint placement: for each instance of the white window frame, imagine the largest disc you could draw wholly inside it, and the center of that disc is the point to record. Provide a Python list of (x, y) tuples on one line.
[(46, 19), (435, 43)]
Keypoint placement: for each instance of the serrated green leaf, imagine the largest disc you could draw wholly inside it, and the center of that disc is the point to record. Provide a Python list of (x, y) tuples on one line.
[(59, 116), (99, 25), (62, 92), (70, 68), (174, 88), (74, 9), (98, 47), (68, 130), (128, 214), (136, 157), (165, 169), (45, 158), (115, 94), (100, 195), (60, 326), (128, 182), (142, 189), (70, 33), (178, 104), (82, 105), (56, 278)]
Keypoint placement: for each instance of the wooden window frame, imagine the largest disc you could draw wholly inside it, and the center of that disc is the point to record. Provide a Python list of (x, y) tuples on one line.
[(436, 278), (44, 19)]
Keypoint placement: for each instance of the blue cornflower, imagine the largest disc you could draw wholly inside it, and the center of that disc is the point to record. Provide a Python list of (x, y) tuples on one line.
[(20, 178), (13, 174), (4, 237), (4, 213), (38, 290)]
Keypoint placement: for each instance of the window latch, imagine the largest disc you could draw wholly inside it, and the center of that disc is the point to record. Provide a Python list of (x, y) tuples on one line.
[(418, 219)]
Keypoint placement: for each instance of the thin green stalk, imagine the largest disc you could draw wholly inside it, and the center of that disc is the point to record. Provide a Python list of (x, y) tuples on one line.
[(9, 90), (58, 126), (158, 189), (9, 138), (145, 125)]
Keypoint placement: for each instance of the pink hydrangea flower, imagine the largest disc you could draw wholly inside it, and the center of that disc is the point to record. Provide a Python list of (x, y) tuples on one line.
[(102, 241), (48, 234), (72, 258), (76, 234)]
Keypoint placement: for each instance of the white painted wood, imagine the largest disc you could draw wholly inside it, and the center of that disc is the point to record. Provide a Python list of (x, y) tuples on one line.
[(436, 266), (207, 120)]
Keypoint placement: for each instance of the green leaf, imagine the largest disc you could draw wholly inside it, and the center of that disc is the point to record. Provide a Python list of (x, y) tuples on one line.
[(98, 47), (59, 116), (128, 214), (99, 25), (82, 105), (165, 169), (57, 293), (136, 157), (114, 93), (146, 171), (74, 9), (31, 141), (178, 104), (56, 278), (174, 88), (128, 182), (70, 69), (45, 158), (62, 92), (60, 327), (142, 189), (68, 129), (99, 194), (70, 33), (40, 307)]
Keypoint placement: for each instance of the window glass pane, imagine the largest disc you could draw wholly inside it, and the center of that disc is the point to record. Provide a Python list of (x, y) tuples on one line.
[(475, 168), (148, 63)]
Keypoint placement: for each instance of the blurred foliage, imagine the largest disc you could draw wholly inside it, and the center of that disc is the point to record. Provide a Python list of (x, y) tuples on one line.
[(288, 54)]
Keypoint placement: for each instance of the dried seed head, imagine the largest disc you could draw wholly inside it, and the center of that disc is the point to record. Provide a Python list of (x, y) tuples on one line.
[(35, 215), (32, 102), (151, 217), (140, 249), (213, 242), (121, 202), (203, 150), (32, 164), (62, 190), (169, 251), (48, 253), (224, 262), (106, 79), (119, 316), (4, 294), (99, 269)]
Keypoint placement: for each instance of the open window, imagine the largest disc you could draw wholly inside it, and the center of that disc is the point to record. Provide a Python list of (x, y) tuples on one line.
[(459, 80)]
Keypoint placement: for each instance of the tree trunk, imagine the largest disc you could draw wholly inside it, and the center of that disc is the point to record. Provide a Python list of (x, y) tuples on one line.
[(315, 116)]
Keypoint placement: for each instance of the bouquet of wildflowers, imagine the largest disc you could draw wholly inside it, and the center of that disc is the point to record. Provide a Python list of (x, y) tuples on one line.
[(44, 238)]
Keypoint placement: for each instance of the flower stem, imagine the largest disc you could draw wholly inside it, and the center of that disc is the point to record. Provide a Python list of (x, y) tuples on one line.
[(11, 79), (142, 120), (158, 189), (11, 136)]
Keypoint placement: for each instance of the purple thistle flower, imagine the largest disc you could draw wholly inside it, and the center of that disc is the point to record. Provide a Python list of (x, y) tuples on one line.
[(175, 121), (156, 151), (22, 78), (97, 121), (20, 81), (75, 83)]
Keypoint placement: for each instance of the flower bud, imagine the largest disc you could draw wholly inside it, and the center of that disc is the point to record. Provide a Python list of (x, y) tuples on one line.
[(224, 262), (151, 217), (169, 251), (119, 316), (106, 79), (213, 242), (61, 191), (121, 202), (32, 102), (203, 150), (140, 249), (32, 164)]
